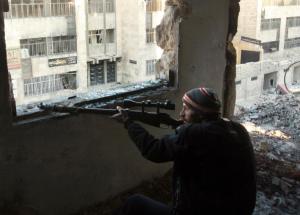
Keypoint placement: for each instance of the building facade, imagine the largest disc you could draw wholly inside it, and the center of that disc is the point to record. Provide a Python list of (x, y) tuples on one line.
[(267, 42), (57, 48)]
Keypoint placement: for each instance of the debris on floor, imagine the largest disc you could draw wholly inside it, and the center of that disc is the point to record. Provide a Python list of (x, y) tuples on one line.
[(274, 125)]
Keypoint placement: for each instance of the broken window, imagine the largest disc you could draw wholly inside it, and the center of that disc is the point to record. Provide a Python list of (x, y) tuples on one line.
[(48, 84), (270, 80), (95, 37)]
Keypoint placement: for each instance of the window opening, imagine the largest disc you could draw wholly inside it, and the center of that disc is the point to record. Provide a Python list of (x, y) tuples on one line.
[(150, 67), (97, 73)]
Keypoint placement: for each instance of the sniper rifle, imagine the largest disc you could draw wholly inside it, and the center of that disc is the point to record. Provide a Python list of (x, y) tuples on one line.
[(151, 118)]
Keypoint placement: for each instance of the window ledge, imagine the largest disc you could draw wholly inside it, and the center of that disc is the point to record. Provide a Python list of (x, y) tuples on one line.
[(107, 98)]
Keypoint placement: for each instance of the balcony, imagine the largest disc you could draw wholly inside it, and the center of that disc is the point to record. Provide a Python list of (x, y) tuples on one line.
[(49, 46), (33, 10)]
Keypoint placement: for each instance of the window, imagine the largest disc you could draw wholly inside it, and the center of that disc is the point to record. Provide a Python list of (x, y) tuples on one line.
[(111, 72), (270, 46), (50, 83), (61, 44), (269, 24), (291, 43), (110, 36), (49, 46), (110, 6), (95, 37), (238, 82), (26, 8), (35, 46), (150, 31), (150, 67), (293, 21), (95, 6), (40, 8), (270, 80), (62, 8), (97, 73), (249, 56), (292, 37)]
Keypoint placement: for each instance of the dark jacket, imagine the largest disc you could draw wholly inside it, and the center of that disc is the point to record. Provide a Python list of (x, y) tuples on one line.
[(214, 167)]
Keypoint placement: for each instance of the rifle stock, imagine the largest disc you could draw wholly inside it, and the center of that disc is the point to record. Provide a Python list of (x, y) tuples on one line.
[(150, 118)]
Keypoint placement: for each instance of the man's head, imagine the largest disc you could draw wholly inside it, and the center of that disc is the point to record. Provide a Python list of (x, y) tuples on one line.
[(200, 104)]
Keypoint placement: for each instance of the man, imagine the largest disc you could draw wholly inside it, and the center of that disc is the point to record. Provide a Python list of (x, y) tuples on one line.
[(214, 167)]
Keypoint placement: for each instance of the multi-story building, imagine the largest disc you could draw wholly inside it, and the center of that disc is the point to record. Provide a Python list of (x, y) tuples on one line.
[(269, 39), (139, 49), (57, 48)]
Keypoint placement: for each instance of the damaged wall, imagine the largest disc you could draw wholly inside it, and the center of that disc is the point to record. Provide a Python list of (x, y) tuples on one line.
[(202, 46), (58, 166)]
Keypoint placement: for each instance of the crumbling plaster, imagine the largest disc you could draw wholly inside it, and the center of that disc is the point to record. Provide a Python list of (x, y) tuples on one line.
[(58, 166)]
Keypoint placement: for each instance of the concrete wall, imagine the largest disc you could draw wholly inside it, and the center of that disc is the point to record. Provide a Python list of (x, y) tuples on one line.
[(249, 88), (134, 46), (58, 166), (202, 50)]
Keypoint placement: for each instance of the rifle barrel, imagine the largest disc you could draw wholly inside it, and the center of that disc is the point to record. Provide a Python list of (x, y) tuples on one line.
[(151, 118)]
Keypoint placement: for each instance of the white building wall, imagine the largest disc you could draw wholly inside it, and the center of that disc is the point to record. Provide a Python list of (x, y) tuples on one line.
[(16, 29), (250, 90), (135, 49)]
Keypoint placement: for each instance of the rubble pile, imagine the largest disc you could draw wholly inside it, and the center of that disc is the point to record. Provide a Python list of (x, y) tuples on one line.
[(278, 111), (274, 125)]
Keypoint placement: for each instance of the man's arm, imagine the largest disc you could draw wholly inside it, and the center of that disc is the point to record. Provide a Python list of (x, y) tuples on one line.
[(157, 150)]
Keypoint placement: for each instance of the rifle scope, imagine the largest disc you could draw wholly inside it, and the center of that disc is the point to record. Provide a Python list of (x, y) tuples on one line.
[(168, 105)]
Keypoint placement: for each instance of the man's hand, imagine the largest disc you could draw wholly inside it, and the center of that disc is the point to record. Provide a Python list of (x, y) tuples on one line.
[(122, 116)]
